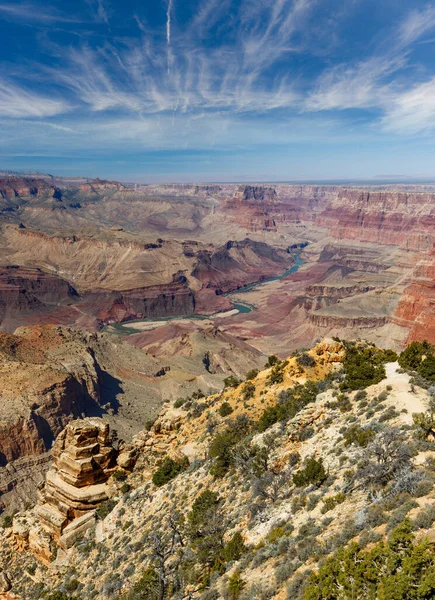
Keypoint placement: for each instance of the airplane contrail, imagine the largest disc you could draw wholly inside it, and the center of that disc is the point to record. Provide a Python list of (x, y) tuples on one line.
[(168, 32), (168, 22)]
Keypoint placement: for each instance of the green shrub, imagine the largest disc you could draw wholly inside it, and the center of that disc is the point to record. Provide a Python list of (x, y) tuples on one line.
[(411, 357), (232, 381), (398, 569), (275, 534), (248, 390), (305, 433), (206, 527), (290, 402), (169, 469), (149, 424), (332, 501), (271, 361), (225, 409), (235, 548), (363, 366), (425, 518), (387, 415), (343, 403), (424, 424), (7, 521), (277, 374), (147, 587), (119, 475), (313, 473), (252, 374), (179, 402), (222, 444), (419, 356), (105, 509), (358, 436), (236, 585), (305, 360)]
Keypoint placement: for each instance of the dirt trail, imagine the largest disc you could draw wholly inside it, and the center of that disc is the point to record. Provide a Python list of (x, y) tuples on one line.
[(401, 396)]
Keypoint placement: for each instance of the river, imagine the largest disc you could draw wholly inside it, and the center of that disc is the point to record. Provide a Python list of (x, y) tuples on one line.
[(128, 328)]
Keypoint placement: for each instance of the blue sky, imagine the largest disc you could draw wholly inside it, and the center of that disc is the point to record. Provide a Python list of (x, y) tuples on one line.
[(218, 90)]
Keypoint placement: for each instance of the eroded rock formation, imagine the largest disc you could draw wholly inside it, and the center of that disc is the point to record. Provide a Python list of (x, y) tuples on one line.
[(83, 460)]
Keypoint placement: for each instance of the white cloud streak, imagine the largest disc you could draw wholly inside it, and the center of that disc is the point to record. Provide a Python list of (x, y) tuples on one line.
[(412, 111), (371, 83), (168, 34), (101, 12), (177, 74), (32, 13), (144, 78), (16, 101)]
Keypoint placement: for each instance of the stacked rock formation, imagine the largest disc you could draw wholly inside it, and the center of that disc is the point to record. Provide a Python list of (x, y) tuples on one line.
[(83, 460)]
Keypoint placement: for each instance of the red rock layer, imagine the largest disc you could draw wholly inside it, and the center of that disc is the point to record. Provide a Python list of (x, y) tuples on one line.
[(396, 218)]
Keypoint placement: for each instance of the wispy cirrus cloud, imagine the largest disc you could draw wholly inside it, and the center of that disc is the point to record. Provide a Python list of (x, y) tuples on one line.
[(216, 73), (412, 111), (99, 10), (146, 76), (34, 13), (16, 101), (370, 82)]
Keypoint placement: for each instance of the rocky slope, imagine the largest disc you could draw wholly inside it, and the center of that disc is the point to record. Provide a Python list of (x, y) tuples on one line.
[(50, 375), (246, 493)]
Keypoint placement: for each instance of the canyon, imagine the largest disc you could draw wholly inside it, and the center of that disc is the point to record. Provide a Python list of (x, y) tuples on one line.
[(92, 253), (116, 298)]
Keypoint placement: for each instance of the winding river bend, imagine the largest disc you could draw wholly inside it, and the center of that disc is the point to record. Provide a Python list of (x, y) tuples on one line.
[(131, 327)]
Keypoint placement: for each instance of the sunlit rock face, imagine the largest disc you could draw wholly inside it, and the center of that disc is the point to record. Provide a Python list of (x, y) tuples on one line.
[(83, 460)]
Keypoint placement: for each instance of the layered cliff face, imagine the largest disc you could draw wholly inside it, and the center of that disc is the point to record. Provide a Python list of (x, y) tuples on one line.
[(238, 264), (219, 352), (51, 375), (397, 218), (99, 186), (16, 190), (119, 278), (415, 310), (165, 300), (25, 292), (269, 209)]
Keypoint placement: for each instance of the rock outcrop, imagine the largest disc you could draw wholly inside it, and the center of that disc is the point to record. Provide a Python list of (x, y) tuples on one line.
[(83, 460), (98, 186), (16, 189)]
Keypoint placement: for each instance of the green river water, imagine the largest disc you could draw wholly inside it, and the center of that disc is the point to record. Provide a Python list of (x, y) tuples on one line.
[(128, 328)]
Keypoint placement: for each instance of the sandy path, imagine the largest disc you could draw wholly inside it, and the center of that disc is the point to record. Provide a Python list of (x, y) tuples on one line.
[(401, 396)]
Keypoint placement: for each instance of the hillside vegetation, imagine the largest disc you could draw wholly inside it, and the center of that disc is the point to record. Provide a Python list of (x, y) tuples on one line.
[(312, 479)]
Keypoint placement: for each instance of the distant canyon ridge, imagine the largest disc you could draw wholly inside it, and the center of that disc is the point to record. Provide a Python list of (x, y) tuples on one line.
[(93, 253)]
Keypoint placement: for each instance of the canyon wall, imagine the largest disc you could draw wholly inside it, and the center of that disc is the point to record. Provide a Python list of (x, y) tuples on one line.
[(110, 252)]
